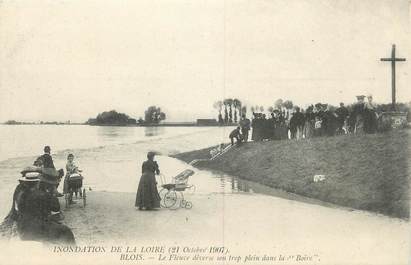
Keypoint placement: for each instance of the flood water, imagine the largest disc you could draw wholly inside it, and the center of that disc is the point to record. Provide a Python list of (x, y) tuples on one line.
[(111, 157), (226, 210)]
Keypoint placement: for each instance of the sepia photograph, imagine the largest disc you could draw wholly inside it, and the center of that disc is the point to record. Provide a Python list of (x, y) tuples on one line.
[(205, 132)]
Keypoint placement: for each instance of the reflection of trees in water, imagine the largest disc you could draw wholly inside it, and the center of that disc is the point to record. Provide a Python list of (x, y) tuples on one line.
[(222, 183), (239, 185), (114, 131), (153, 131)]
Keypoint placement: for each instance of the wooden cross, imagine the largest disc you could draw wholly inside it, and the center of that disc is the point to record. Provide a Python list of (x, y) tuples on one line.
[(393, 59)]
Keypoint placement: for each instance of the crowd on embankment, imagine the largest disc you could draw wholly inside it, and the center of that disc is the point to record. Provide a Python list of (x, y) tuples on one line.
[(315, 121)]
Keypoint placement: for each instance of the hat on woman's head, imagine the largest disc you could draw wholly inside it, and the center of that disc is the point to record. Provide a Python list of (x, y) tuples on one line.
[(30, 177), (151, 154), (30, 169)]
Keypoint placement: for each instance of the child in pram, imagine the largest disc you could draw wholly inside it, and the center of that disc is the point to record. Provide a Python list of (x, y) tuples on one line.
[(73, 180)]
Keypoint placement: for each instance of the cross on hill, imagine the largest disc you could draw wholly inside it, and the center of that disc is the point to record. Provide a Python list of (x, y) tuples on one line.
[(393, 59)]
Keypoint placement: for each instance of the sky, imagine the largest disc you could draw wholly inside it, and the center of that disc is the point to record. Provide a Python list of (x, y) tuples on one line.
[(70, 60)]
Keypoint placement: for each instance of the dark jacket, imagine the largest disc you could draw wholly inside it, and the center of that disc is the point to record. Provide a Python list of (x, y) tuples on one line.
[(235, 133), (47, 161), (150, 166), (342, 113), (245, 124), (297, 119)]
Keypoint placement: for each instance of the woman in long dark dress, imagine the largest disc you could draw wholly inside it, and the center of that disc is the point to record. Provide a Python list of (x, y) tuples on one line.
[(147, 193)]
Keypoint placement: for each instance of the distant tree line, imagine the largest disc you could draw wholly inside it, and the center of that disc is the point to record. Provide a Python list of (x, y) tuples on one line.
[(233, 110), (153, 115), (13, 122), (112, 117)]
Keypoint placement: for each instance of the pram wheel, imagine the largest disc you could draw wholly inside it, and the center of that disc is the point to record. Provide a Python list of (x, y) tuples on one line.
[(162, 194), (170, 199), (188, 205)]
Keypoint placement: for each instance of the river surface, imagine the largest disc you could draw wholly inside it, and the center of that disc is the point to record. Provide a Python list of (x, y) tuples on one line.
[(110, 157), (226, 210)]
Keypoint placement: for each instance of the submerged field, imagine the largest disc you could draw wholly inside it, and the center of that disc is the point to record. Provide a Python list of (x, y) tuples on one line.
[(368, 172)]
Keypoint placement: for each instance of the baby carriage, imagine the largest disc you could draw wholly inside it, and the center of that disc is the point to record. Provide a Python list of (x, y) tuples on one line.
[(172, 195), (75, 185)]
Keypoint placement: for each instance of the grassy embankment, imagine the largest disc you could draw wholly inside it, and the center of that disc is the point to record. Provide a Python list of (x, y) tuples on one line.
[(368, 172)]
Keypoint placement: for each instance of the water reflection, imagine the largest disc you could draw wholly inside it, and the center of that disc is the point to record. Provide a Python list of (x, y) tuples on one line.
[(109, 132), (233, 184), (237, 184), (153, 131)]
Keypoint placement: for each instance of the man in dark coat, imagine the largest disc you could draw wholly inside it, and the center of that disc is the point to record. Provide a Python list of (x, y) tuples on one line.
[(330, 122), (245, 125), (297, 124), (47, 163), (258, 127), (46, 158), (342, 114)]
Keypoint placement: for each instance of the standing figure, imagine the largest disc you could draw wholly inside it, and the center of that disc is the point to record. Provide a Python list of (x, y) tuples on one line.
[(46, 161), (245, 125), (266, 128), (370, 116), (147, 194), (297, 124), (342, 114), (309, 122), (358, 115), (257, 124), (271, 127), (330, 120)]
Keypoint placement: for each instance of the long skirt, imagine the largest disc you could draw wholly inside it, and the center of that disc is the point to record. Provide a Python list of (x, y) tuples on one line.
[(147, 193)]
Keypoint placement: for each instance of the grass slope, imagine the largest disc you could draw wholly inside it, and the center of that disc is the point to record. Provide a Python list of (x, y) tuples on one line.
[(368, 172)]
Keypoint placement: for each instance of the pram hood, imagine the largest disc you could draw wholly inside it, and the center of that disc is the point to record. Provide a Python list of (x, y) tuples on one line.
[(184, 175)]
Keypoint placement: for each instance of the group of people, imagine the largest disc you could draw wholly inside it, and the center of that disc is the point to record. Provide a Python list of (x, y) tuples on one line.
[(315, 121), (35, 212)]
